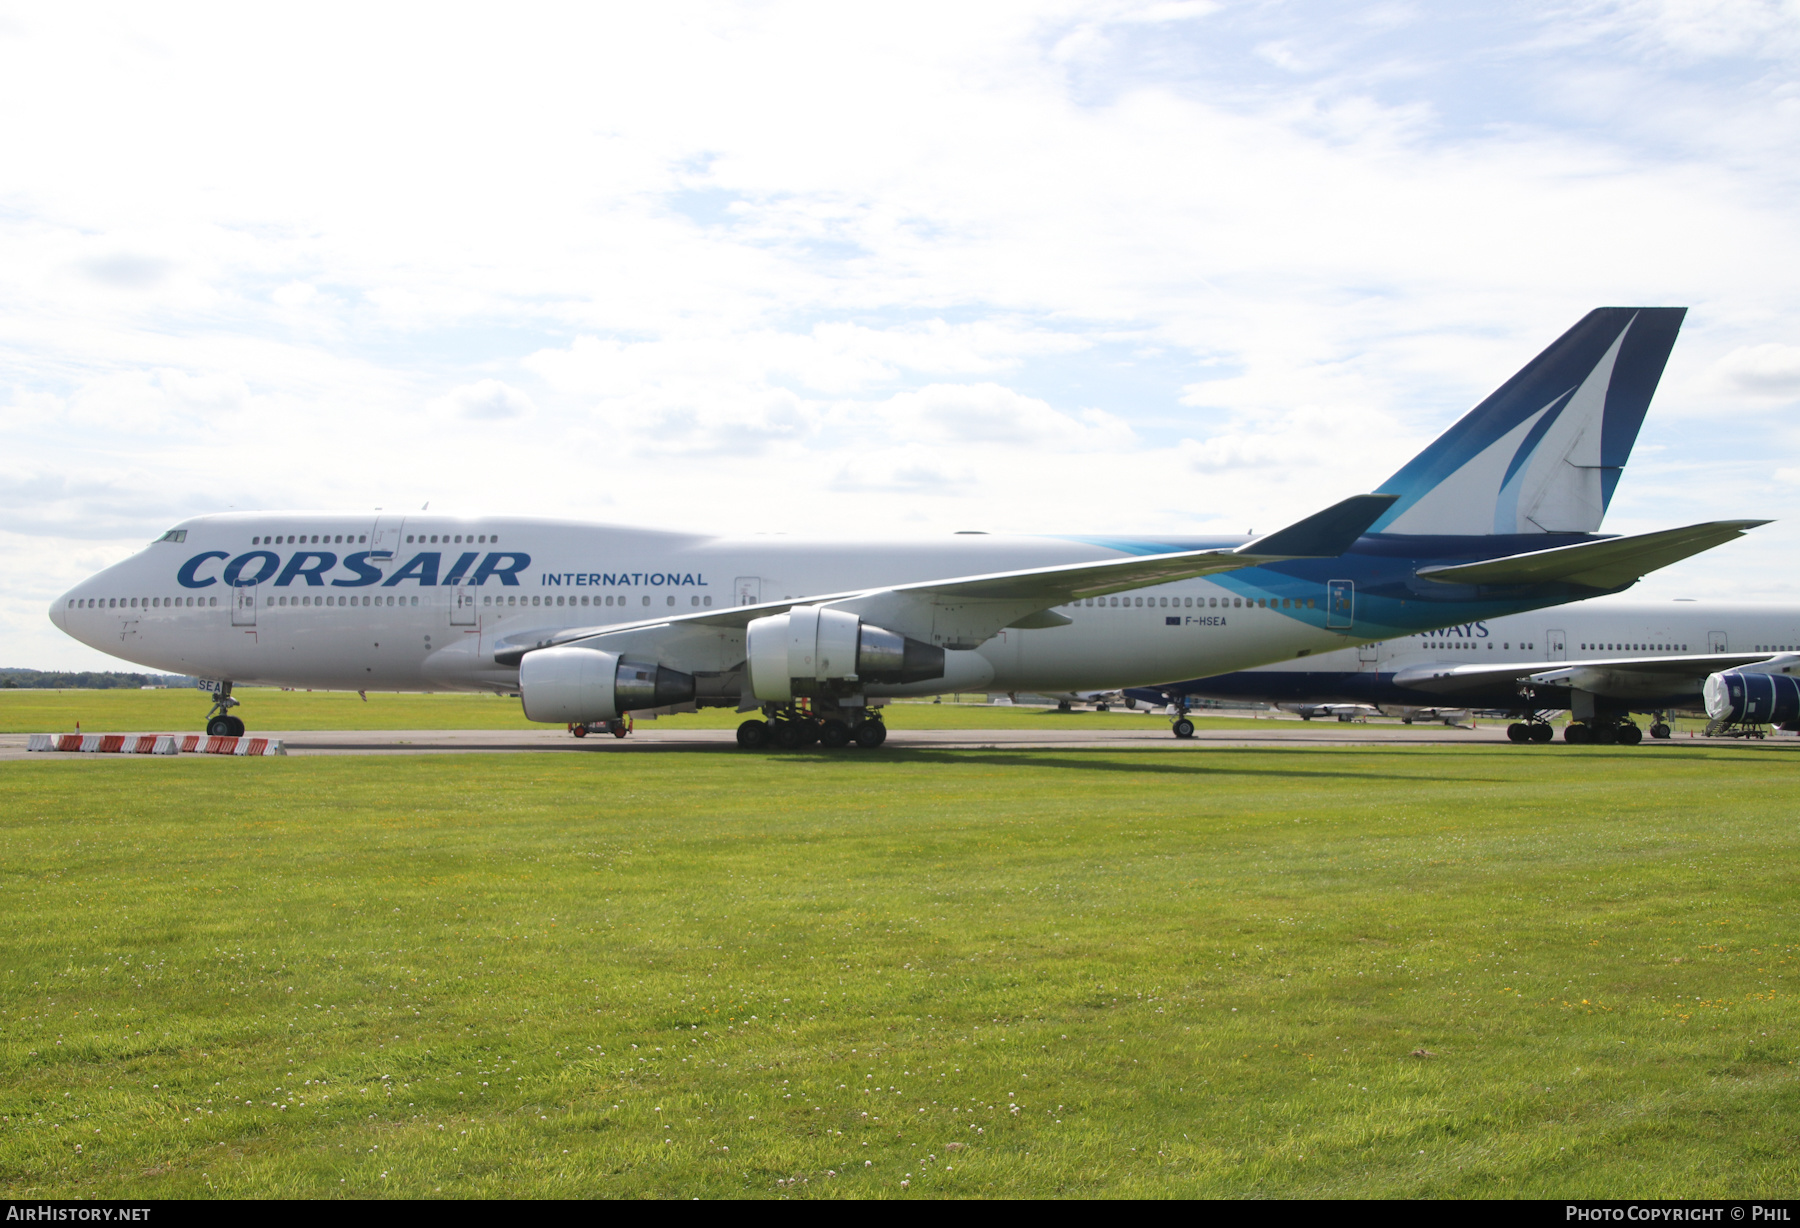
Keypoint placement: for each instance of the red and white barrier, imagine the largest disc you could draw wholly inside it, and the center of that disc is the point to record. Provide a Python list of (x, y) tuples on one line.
[(106, 743), (153, 744), (205, 744)]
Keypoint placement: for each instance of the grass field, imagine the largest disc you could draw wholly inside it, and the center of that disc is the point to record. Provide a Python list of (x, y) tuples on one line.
[(1379, 972)]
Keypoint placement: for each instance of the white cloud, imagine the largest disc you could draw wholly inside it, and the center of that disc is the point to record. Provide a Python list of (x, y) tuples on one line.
[(487, 400), (810, 267), (1768, 370)]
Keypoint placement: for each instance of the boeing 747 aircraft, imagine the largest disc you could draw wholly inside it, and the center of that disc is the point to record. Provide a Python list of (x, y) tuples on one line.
[(1601, 660), (586, 622)]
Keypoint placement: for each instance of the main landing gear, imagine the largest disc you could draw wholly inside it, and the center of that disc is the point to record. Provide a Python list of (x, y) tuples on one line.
[(219, 722), (1604, 733), (797, 726), (1533, 729)]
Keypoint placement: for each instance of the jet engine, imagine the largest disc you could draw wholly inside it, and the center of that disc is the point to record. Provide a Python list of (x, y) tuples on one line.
[(1753, 699), (573, 684), (812, 651)]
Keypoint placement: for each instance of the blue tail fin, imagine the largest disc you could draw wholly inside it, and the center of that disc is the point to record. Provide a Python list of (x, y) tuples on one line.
[(1544, 452)]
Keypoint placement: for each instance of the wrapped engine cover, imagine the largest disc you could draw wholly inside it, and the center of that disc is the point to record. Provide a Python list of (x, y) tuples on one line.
[(576, 685), (1745, 698)]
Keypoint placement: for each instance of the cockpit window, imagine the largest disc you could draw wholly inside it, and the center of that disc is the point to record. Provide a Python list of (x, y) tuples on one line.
[(174, 535)]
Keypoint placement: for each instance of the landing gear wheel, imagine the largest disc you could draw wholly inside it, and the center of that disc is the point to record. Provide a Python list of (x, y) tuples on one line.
[(219, 727), (1629, 734), (1063, 705), (871, 734), (788, 735), (1541, 732), (1660, 730), (809, 732), (579, 730), (753, 735), (1606, 735), (835, 735), (1576, 733), (1183, 728), (1102, 707), (1518, 731)]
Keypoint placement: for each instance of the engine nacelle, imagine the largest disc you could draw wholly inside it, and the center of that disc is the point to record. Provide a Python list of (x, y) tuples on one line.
[(815, 651), (572, 684), (1752, 698)]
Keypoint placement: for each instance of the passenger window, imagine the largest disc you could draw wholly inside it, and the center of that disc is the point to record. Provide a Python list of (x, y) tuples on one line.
[(671, 598), (212, 601), (409, 539), (694, 600), (709, 601), (647, 598), (415, 601), (362, 537)]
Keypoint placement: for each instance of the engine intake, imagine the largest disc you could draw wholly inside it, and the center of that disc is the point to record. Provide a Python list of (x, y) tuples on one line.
[(1752, 698), (568, 684), (815, 651)]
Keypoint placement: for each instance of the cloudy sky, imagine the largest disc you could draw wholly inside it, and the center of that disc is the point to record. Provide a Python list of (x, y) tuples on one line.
[(869, 270)]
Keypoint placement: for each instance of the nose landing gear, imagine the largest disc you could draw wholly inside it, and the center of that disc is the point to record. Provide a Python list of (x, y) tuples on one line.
[(219, 722), (1181, 726)]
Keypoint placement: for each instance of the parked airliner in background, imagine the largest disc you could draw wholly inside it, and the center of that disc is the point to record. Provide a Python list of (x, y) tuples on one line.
[(586, 621), (1602, 660)]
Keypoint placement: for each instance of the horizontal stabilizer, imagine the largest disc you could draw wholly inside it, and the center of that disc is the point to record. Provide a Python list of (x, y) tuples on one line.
[(1326, 534), (1609, 563)]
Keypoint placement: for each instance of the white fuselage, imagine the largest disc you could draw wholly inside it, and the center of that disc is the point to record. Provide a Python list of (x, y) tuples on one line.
[(1581, 631), (395, 623)]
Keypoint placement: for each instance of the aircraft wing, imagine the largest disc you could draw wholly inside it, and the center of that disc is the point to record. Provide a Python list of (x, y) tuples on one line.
[(1621, 677), (963, 611), (1610, 563)]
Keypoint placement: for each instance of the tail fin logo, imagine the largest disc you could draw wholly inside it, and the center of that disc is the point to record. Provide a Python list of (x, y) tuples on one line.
[(1544, 452)]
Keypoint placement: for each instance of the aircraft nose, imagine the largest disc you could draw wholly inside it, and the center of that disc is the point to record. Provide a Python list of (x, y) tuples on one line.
[(57, 610)]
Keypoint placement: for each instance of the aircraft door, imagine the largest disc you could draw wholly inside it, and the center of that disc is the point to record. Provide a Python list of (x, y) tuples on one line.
[(384, 536), (243, 606), (1340, 605), (749, 590), (462, 606), (1716, 641), (1368, 656), (1556, 646)]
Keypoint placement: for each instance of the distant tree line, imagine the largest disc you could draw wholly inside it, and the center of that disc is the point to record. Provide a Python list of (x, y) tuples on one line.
[(86, 680)]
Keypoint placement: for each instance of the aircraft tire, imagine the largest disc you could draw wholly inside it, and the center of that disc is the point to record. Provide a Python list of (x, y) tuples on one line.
[(871, 734), (1576, 733), (1183, 728), (753, 735), (1606, 735), (1541, 732), (1629, 734), (835, 735), (1660, 730), (1518, 731), (1102, 707)]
